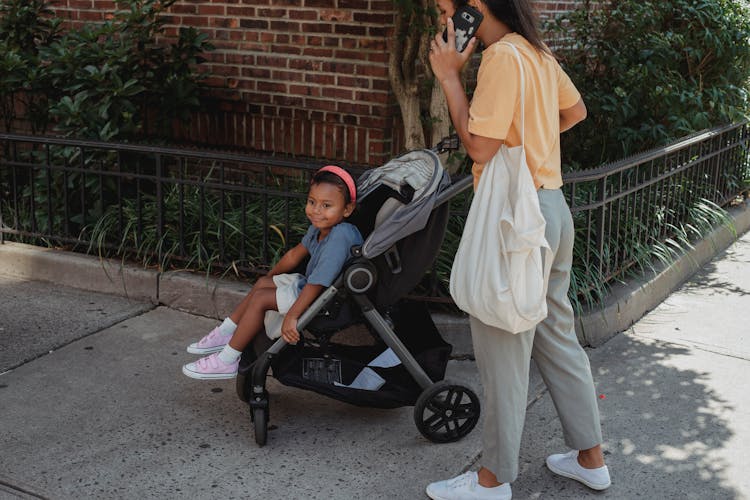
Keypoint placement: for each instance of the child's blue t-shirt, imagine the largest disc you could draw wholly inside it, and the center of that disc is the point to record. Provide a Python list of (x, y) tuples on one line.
[(327, 257)]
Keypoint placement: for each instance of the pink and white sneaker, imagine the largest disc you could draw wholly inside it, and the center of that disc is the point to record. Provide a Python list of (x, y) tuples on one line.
[(211, 368), (213, 342)]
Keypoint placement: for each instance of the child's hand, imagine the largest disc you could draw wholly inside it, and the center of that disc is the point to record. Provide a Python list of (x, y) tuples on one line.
[(289, 330)]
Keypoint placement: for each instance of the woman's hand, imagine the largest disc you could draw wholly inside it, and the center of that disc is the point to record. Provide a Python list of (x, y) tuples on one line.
[(289, 330), (445, 60)]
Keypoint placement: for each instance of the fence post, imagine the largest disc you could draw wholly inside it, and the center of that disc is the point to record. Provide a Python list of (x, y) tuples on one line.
[(599, 225), (159, 209)]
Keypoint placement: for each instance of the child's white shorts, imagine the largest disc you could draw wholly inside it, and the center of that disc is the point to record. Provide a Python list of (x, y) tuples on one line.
[(287, 290)]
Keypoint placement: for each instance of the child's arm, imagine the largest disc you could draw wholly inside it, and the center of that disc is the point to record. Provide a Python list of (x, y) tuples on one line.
[(306, 297), (289, 261)]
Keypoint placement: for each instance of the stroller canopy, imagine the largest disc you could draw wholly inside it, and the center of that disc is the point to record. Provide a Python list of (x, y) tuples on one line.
[(416, 178)]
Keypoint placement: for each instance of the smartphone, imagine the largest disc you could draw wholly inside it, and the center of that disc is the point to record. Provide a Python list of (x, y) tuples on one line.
[(466, 20)]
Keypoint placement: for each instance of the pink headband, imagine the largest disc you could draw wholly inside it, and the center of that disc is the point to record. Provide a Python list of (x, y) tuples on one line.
[(344, 175)]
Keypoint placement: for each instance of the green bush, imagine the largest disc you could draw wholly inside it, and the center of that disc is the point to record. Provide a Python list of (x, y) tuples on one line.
[(111, 81), (25, 26), (652, 71)]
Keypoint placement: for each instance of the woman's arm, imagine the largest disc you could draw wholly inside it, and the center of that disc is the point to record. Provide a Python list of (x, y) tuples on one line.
[(446, 64), (570, 117), (306, 297), (290, 260)]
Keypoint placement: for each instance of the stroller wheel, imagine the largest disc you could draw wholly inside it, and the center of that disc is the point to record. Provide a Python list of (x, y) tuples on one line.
[(260, 420), (446, 412)]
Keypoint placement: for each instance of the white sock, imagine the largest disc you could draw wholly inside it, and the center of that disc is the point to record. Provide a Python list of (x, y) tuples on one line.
[(229, 355), (227, 327)]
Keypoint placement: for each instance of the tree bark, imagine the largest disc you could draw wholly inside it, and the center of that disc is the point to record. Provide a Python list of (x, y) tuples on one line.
[(407, 44)]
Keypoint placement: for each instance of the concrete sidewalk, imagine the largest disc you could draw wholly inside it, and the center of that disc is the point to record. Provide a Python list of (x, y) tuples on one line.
[(93, 405)]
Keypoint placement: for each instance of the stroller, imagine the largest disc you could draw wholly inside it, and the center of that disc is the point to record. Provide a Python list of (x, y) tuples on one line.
[(402, 214)]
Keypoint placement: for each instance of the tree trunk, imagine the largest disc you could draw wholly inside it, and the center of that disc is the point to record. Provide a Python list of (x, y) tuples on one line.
[(402, 74)]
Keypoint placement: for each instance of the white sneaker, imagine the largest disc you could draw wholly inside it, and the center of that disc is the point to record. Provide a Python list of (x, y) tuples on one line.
[(467, 487), (566, 464)]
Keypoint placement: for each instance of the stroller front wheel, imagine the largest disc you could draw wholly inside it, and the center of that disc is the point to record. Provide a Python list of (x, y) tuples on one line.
[(260, 421), (446, 412)]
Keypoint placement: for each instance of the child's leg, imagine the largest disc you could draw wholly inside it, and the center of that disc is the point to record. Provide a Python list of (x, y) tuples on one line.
[(217, 338), (239, 311), (251, 322), (224, 364)]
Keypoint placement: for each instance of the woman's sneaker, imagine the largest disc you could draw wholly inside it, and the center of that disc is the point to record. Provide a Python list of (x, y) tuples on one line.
[(566, 465), (213, 342), (467, 487), (211, 368)]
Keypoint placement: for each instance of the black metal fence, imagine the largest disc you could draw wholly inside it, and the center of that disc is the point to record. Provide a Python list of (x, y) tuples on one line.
[(625, 207), (228, 212)]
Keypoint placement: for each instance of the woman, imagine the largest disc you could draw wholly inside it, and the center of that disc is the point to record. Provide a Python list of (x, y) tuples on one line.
[(552, 105)]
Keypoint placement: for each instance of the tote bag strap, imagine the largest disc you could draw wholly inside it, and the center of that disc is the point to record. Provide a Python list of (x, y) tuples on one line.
[(523, 88)]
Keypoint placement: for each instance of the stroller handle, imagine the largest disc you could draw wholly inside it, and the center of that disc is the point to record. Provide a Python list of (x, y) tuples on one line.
[(451, 143), (447, 143)]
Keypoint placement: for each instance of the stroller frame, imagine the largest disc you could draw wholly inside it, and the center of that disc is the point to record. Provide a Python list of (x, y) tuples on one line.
[(444, 412)]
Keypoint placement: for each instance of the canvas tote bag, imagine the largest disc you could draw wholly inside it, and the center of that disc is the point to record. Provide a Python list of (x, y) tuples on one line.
[(501, 270)]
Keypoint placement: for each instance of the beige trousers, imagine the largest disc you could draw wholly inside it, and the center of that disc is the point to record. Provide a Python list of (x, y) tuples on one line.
[(503, 361)]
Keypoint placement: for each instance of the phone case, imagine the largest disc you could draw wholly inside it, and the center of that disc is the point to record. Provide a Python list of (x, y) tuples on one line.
[(466, 20)]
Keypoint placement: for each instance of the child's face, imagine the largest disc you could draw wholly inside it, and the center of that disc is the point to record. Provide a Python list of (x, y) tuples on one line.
[(326, 206)]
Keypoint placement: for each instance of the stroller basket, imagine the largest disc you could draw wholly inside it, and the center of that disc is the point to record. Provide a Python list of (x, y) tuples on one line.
[(347, 373)]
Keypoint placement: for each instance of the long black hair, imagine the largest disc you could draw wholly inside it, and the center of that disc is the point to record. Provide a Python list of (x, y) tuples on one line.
[(520, 17)]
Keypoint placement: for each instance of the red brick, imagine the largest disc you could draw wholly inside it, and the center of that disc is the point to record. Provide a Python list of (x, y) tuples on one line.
[(320, 79), (373, 18), (272, 13), (80, 4), (271, 87), (317, 52), (339, 15), (303, 15), (287, 26), (306, 90), (241, 11), (336, 93), (211, 10), (90, 16), (287, 76), (224, 22)]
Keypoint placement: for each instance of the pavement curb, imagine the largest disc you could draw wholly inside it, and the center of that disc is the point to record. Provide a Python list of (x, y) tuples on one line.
[(212, 297)]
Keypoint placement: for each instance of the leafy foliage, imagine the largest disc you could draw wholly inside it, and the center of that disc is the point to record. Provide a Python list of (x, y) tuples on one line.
[(24, 28), (111, 80), (652, 71)]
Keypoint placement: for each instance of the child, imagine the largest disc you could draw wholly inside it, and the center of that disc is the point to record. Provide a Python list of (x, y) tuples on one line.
[(328, 242)]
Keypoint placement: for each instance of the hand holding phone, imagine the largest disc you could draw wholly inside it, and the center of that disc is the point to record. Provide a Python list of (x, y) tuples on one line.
[(466, 20)]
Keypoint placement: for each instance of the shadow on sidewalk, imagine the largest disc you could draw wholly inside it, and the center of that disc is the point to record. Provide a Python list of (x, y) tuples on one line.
[(666, 427)]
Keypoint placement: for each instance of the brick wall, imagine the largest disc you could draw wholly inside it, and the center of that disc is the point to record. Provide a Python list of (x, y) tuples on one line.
[(302, 77)]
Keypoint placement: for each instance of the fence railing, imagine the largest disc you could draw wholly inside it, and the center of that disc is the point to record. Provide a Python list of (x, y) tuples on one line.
[(644, 200), (230, 212)]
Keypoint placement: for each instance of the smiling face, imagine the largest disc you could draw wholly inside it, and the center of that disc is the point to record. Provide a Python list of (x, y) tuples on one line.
[(326, 207)]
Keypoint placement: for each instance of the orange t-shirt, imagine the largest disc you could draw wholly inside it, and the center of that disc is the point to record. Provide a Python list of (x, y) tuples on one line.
[(496, 106)]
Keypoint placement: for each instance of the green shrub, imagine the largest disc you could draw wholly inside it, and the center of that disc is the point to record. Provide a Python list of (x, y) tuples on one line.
[(25, 26), (114, 80), (652, 71)]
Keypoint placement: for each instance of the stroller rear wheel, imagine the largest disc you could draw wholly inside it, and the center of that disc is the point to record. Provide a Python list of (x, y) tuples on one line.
[(446, 412)]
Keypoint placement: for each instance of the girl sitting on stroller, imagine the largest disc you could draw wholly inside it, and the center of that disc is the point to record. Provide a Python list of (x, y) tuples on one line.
[(328, 242)]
